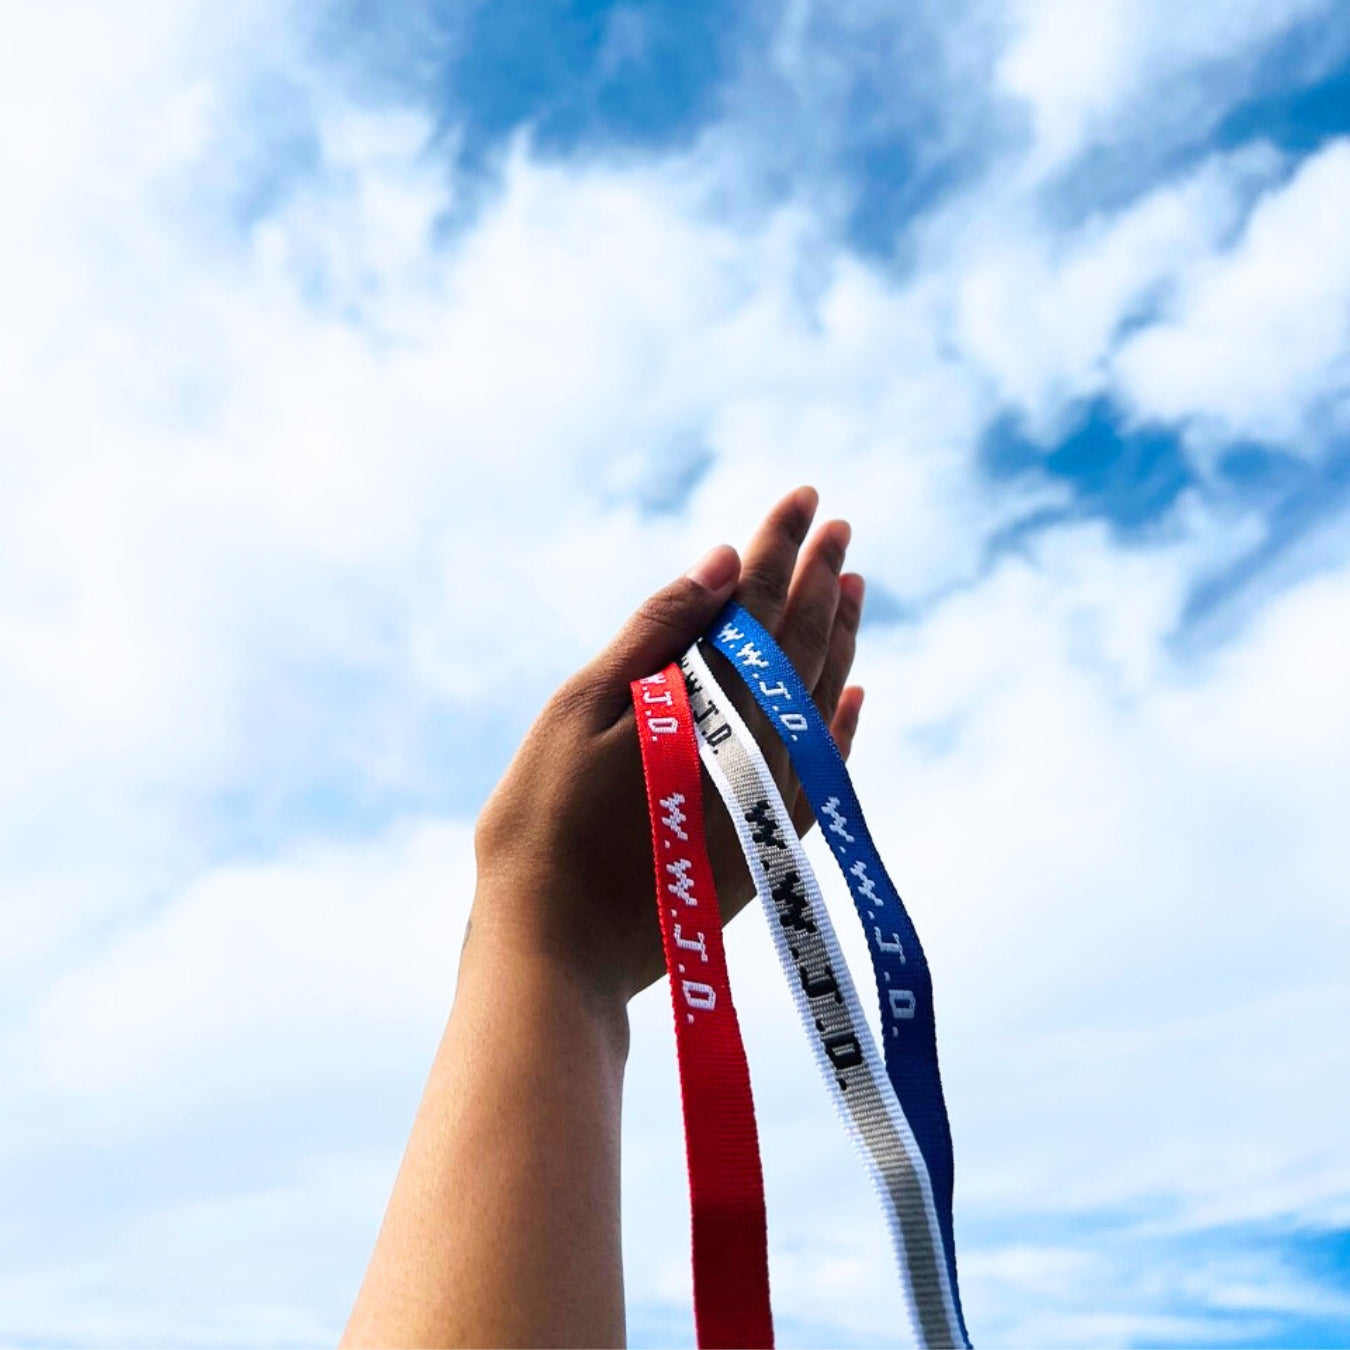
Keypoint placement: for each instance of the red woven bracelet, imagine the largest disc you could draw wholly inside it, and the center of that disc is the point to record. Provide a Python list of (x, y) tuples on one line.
[(726, 1185)]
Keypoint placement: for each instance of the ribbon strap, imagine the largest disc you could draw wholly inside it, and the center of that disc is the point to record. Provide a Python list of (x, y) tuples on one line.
[(826, 1001), (726, 1186), (904, 985)]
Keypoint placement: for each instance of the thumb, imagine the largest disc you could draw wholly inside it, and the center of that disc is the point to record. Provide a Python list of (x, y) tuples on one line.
[(664, 625)]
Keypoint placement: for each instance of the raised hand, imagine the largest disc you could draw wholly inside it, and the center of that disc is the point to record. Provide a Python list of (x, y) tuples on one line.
[(563, 847)]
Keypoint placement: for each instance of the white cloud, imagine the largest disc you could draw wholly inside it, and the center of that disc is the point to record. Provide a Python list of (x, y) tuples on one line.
[(1039, 314), (299, 451), (1256, 339), (362, 934), (1088, 72), (1152, 855), (242, 1267)]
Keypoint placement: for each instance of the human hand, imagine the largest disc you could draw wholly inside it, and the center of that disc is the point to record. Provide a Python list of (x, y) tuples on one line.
[(563, 846)]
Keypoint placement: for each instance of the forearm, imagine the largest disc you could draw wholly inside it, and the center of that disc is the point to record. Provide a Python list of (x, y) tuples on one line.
[(503, 1227)]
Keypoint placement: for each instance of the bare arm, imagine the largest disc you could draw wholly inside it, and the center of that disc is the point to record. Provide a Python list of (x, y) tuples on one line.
[(503, 1227)]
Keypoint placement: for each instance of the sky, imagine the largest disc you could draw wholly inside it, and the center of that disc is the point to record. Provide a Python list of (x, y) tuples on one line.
[(363, 365)]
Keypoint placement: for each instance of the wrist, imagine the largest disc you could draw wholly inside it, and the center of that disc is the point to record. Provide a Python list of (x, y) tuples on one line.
[(522, 965)]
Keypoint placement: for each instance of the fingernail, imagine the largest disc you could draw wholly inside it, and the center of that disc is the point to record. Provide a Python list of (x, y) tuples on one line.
[(717, 570), (807, 499), (853, 586)]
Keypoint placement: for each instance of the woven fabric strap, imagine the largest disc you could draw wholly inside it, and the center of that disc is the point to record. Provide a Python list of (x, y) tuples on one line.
[(904, 985), (826, 1001), (726, 1185)]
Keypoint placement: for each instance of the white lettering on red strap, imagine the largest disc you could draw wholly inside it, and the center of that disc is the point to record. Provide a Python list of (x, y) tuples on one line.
[(696, 944), (674, 818), (683, 885), (700, 996)]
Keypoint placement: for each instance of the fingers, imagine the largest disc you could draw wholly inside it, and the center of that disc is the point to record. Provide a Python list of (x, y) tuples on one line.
[(772, 555), (803, 600), (843, 728), (661, 629), (838, 659), (797, 599), (808, 620)]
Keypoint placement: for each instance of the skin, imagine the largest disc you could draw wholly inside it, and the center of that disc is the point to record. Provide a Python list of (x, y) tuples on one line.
[(503, 1225)]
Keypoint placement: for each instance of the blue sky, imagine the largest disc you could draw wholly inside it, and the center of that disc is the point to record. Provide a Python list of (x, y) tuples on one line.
[(361, 366)]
